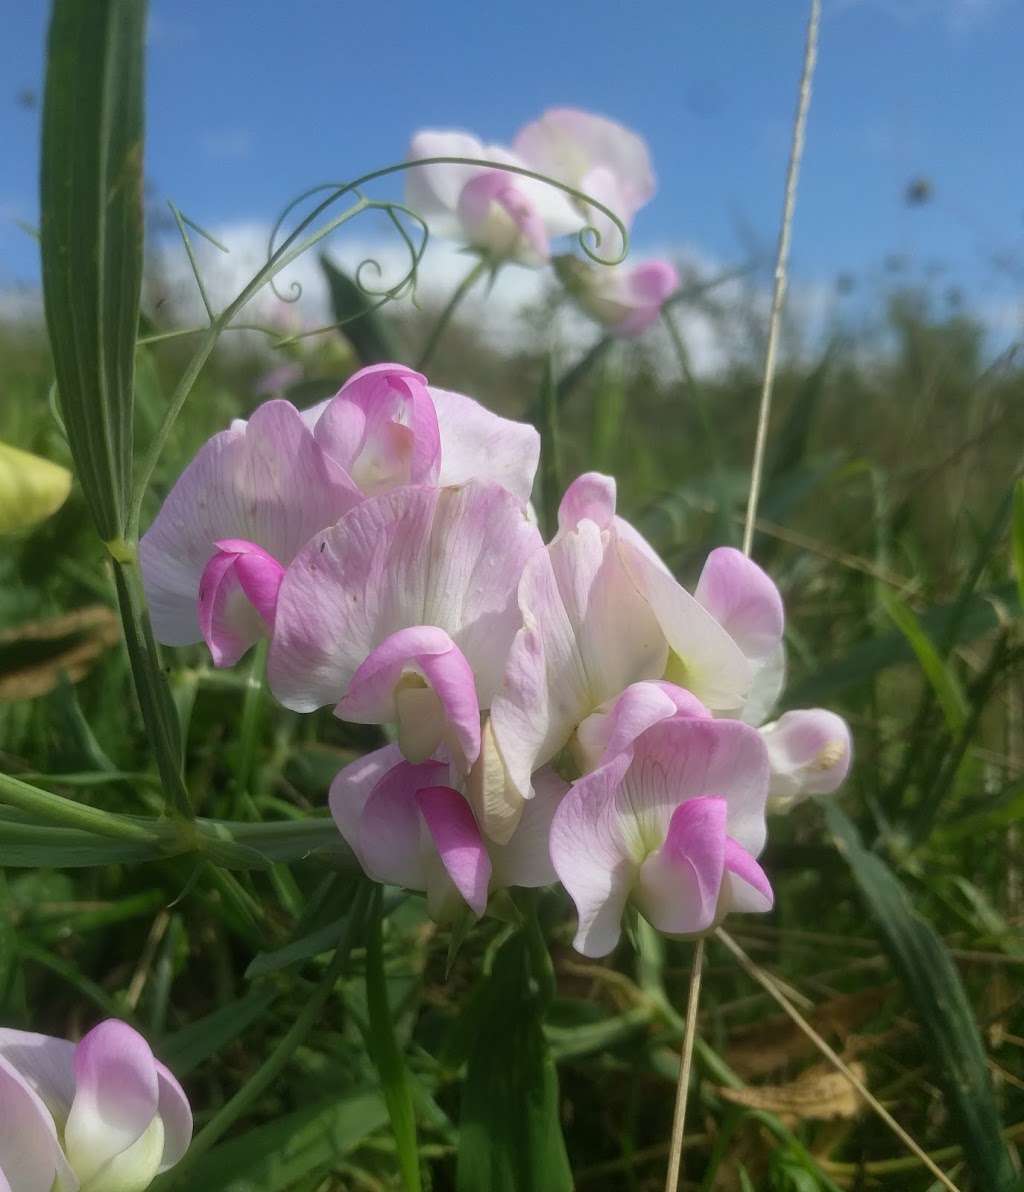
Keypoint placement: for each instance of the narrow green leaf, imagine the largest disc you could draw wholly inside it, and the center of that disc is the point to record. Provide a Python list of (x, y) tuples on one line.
[(938, 673), (275, 1156), (934, 986), (510, 1137), (387, 1056), (364, 327), (1017, 538), (92, 237)]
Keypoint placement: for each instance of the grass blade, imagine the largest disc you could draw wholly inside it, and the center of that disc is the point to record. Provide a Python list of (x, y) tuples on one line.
[(934, 986)]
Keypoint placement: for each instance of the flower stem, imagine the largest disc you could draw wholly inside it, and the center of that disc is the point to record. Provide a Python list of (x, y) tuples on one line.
[(387, 1055), (685, 1064), (445, 317)]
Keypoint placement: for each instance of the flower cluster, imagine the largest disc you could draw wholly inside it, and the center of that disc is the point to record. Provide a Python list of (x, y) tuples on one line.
[(506, 215), (563, 710), (102, 1115)]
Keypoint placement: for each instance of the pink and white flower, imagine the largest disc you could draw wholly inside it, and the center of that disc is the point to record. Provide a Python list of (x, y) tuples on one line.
[(403, 612), (671, 824), (505, 215), (624, 299), (408, 826), (214, 558), (810, 751), (103, 1115), (594, 155), (600, 612)]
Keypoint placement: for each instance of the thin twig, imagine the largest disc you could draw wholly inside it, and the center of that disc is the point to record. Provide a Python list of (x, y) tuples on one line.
[(768, 984), (781, 263), (685, 1064)]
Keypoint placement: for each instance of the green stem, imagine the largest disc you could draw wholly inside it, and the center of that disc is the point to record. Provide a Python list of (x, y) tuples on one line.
[(550, 450), (387, 1055), (56, 809), (245, 750), (274, 1064), (445, 317), (569, 380)]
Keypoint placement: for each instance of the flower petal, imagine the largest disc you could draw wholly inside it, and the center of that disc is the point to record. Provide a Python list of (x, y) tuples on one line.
[(382, 429), (590, 854), (116, 1097), (678, 885), (176, 1115), (749, 887), (237, 598), (587, 634), (31, 1159), (743, 600), (412, 557), (705, 659), (351, 788), (391, 845), (478, 445), (496, 803), (617, 724), (459, 844), (433, 191), (47, 1063), (592, 496), (421, 679), (525, 859), (265, 481), (685, 757), (809, 751)]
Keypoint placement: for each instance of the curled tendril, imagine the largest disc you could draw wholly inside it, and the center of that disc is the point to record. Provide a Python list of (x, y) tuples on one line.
[(589, 236)]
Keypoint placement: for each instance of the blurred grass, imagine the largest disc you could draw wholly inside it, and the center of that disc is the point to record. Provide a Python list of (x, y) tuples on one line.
[(891, 459)]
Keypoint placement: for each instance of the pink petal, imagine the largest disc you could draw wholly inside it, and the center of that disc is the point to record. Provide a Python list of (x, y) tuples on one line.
[(416, 556), (524, 860), (707, 661), (176, 1115), (351, 788), (595, 155), (459, 843), (45, 1062), (591, 495), (379, 691), (31, 1159), (587, 634), (478, 445), (743, 600), (382, 429), (484, 202), (391, 845), (617, 724), (685, 757), (591, 854), (644, 291), (751, 890), (809, 751), (265, 481), (116, 1096), (678, 886), (237, 598)]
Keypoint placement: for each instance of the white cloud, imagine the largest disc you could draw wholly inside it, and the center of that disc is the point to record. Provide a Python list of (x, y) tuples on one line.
[(960, 17), (226, 144)]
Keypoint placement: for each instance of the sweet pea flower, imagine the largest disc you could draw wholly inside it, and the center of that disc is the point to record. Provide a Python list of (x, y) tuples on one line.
[(504, 215), (600, 611), (810, 753), (408, 826), (214, 557), (102, 1115), (809, 749), (594, 155), (403, 612), (624, 299), (672, 824)]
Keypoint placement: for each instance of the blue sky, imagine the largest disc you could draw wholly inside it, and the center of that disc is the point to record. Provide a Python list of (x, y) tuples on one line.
[(249, 103)]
